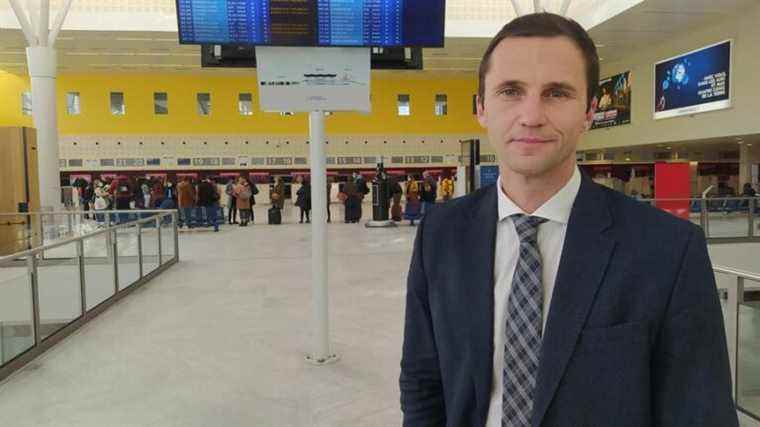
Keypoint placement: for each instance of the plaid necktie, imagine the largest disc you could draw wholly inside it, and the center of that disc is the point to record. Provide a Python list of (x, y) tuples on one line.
[(524, 319)]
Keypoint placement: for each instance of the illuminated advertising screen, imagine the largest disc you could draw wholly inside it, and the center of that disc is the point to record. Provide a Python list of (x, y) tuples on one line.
[(613, 101), (694, 82), (357, 23)]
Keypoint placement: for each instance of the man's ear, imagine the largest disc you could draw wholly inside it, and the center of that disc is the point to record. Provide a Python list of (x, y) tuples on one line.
[(591, 111), (481, 110)]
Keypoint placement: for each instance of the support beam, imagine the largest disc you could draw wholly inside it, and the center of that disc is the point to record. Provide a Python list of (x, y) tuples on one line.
[(565, 7), (537, 6), (58, 23), (23, 21), (516, 7), (44, 30)]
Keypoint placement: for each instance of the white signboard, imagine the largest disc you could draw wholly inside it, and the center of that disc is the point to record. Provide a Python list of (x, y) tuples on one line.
[(303, 79), (169, 161)]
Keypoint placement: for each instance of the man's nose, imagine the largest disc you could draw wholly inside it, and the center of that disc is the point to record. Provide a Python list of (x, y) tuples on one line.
[(532, 112)]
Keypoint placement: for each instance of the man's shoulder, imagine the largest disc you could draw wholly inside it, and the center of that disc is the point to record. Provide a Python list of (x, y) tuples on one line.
[(459, 209), (637, 218)]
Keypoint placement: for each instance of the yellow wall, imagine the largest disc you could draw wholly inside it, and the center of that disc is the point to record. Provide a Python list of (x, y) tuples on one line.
[(183, 118), (11, 87)]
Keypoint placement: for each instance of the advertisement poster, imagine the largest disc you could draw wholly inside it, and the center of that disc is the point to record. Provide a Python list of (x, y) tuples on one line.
[(614, 101), (694, 82)]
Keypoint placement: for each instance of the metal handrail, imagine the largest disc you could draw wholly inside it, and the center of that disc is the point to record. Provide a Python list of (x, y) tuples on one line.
[(90, 212), (120, 289), (735, 297), (50, 246)]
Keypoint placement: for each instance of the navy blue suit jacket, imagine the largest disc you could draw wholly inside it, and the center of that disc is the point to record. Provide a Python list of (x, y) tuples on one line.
[(634, 335)]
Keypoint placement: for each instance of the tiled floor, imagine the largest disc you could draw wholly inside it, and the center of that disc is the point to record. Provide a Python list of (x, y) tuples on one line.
[(220, 339)]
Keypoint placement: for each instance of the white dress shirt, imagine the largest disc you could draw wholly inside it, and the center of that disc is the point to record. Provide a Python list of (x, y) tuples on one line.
[(551, 239)]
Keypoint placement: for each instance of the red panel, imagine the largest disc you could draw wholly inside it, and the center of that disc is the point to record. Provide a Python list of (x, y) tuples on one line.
[(672, 181)]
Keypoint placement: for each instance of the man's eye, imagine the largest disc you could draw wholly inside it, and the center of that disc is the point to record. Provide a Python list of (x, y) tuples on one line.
[(510, 92), (556, 93)]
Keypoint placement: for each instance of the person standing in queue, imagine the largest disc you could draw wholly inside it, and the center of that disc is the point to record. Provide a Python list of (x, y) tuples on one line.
[(231, 202), (303, 198), (277, 195), (186, 202), (244, 195), (208, 199), (549, 300)]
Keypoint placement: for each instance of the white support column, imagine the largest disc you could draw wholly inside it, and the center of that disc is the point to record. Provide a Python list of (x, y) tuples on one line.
[(565, 6), (321, 316), (42, 63), (537, 6)]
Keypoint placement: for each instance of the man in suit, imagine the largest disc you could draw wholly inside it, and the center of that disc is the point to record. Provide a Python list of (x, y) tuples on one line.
[(548, 300)]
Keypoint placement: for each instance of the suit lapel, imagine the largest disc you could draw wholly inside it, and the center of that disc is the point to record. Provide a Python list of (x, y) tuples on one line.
[(479, 236), (585, 256)]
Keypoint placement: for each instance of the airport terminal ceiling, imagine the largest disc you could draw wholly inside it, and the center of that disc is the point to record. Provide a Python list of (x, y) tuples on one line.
[(122, 35)]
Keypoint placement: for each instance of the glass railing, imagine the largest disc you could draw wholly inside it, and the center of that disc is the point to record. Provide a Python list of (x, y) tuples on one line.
[(724, 219), (742, 311), (49, 291)]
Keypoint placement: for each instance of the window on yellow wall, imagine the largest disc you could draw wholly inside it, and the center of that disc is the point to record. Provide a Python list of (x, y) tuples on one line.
[(26, 103), (204, 104), (403, 105), (118, 108), (245, 104), (73, 104), (160, 103), (441, 105)]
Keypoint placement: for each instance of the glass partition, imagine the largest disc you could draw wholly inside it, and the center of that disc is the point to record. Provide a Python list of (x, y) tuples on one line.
[(16, 319), (128, 257), (41, 287), (748, 358), (60, 295), (99, 274), (167, 239), (149, 236)]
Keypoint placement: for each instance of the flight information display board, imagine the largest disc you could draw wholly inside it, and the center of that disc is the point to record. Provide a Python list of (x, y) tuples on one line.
[(367, 23)]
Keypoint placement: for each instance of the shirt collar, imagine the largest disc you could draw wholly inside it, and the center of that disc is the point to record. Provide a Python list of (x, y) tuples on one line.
[(556, 209)]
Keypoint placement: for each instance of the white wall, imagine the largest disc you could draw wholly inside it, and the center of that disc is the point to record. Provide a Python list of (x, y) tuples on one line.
[(742, 119)]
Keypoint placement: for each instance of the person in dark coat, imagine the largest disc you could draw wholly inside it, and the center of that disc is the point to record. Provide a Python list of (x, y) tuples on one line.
[(207, 201), (396, 193), (353, 202), (303, 199)]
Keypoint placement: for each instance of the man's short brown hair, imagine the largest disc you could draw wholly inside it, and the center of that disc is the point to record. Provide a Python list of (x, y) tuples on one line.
[(546, 25)]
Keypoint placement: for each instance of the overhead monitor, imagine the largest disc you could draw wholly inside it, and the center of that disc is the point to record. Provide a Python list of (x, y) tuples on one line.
[(357, 23), (695, 82)]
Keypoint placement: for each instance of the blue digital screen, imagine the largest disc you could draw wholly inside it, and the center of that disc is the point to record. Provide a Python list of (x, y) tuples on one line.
[(489, 175), (370, 23), (695, 82)]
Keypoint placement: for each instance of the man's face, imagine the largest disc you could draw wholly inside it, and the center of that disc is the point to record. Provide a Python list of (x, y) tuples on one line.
[(534, 105)]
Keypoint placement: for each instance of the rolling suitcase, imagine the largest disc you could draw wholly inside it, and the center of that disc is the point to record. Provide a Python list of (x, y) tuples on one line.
[(275, 216)]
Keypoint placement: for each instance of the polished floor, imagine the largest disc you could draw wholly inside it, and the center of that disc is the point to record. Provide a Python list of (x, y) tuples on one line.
[(220, 338)]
